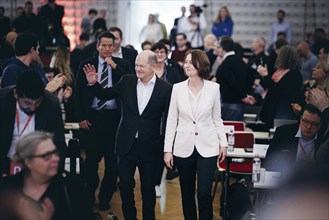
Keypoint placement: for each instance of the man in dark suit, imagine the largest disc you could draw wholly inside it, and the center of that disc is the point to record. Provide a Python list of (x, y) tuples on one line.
[(26, 108), (145, 99), (296, 142), (232, 75), (100, 120), (122, 52)]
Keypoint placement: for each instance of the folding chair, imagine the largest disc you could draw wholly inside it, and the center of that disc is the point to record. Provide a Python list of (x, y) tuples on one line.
[(242, 140), (238, 125)]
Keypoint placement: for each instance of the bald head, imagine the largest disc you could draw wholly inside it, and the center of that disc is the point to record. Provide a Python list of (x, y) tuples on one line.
[(258, 45), (11, 36), (209, 41), (303, 49), (145, 63)]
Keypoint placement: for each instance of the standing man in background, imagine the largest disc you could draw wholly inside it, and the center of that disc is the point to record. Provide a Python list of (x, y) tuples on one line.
[(100, 120), (280, 26), (120, 51)]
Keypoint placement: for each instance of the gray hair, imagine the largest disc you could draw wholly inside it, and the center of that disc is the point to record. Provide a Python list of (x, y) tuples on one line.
[(152, 59), (25, 146), (287, 58)]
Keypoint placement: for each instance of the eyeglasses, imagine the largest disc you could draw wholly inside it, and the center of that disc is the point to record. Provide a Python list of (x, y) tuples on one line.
[(311, 124), (160, 52), (46, 156)]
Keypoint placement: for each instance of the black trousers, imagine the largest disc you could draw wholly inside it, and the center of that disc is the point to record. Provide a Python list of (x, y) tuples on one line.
[(101, 142), (147, 170), (188, 169)]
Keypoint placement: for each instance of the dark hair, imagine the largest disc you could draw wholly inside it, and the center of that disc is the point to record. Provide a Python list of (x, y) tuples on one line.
[(50, 70), (24, 42), (165, 41), (105, 35), (311, 109), (92, 11), (113, 29), (28, 3), (280, 43), (287, 58), (200, 62), (182, 34), (146, 43), (227, 43), (29, 85), (130, 46), (159, 45), (281, 11), (84, 36), (319, 30), (238, 50), (281, 33)]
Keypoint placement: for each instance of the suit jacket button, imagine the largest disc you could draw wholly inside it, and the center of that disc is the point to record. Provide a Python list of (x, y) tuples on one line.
[(196, 133), (193, 122)]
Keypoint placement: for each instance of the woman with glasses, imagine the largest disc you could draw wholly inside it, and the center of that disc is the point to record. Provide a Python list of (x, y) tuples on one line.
[(40, 191), (171, 75)]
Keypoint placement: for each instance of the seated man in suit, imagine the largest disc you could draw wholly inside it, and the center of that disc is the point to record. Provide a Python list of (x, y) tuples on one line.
[(296, 142)]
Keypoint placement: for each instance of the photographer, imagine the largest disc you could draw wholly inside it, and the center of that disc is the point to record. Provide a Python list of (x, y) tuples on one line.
[(196, 26)]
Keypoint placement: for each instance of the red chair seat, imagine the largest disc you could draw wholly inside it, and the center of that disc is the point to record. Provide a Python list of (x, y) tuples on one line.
[(243, 167)]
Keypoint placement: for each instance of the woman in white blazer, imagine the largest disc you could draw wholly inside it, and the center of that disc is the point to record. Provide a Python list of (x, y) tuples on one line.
[(195, 139)]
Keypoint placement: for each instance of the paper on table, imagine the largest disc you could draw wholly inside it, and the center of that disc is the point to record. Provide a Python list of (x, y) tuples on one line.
[(260, 149)]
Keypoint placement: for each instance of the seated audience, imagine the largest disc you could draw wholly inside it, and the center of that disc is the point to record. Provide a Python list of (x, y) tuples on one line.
[(295, 143), (320, 76), (40, 187)]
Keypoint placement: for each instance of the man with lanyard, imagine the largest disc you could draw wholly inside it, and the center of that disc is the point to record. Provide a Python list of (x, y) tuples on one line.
[(26, 108), (295, 143)]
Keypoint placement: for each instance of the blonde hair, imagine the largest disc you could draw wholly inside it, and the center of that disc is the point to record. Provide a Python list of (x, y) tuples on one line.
[(62, 63)]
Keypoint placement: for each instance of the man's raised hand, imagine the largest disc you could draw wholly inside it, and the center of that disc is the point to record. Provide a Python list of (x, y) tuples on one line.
[(91, 74)]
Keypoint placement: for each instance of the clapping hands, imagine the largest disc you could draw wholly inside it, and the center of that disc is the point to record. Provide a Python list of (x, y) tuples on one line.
[(318, 98)]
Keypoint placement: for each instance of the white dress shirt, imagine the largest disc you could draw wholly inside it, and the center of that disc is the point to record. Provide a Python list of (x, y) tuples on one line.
[(17, 133), (144, 93)]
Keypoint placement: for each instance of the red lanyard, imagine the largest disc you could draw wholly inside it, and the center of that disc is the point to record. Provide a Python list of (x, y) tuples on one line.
[(18, 123), (303, 149)]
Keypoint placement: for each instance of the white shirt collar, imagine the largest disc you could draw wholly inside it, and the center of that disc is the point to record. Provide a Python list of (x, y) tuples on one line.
[(119, 54), (299, 135), (228, 54), (151, 81)]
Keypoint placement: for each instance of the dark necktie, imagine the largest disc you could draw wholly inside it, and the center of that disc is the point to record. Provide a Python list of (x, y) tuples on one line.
[(104, 83)]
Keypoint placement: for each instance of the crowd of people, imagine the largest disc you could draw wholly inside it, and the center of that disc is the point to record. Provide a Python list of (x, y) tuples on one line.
[(162, 107)]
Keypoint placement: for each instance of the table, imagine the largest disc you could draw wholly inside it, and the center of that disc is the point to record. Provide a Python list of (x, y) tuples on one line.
[(258, 149), (262, 137)]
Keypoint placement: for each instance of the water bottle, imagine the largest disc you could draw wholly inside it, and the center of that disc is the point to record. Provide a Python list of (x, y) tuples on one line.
[(256, 165), (231, 140)]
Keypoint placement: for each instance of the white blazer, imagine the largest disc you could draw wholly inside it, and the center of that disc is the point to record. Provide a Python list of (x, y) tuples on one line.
[(205, 131)]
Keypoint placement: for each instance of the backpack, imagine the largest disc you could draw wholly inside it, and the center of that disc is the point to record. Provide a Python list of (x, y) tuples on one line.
[(238, 201)]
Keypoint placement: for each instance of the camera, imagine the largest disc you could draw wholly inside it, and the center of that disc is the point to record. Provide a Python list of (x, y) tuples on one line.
[(199, 10)]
